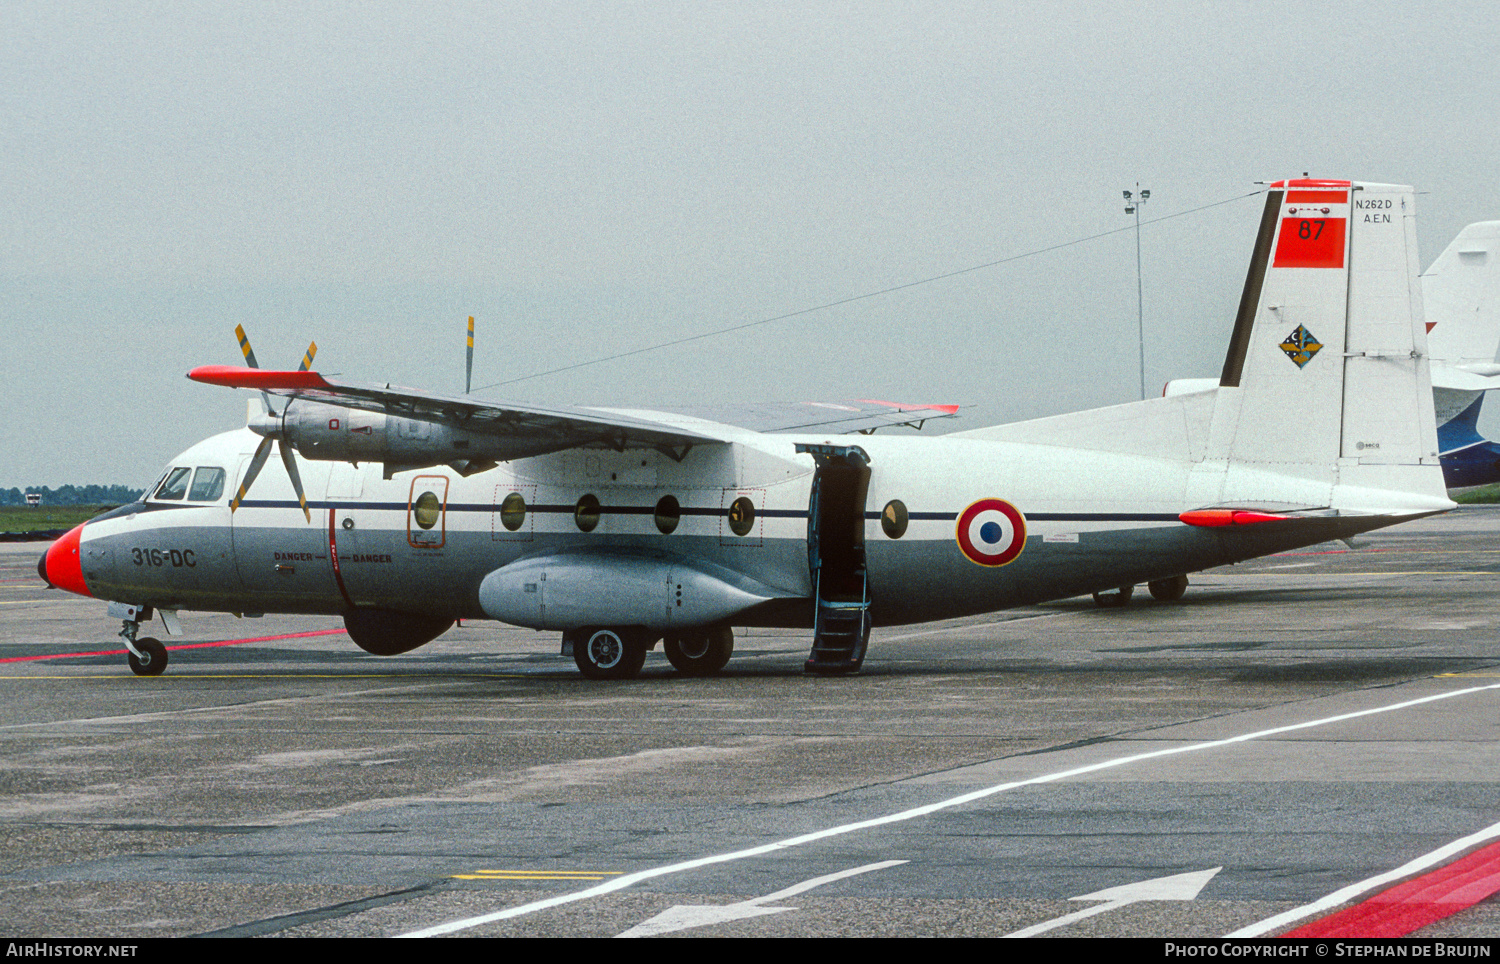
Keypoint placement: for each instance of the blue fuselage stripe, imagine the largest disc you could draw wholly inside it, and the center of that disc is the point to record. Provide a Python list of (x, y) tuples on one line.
[(704, 511)]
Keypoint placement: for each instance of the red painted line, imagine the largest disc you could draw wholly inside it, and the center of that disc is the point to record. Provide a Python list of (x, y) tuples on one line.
[(222, 642), (1417, 903)]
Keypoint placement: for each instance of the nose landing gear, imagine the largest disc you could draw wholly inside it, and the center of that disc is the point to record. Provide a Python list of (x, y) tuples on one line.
[(147, 656)]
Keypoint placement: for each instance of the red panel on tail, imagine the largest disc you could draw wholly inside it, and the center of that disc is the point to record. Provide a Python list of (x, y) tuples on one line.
[(1310, 242)]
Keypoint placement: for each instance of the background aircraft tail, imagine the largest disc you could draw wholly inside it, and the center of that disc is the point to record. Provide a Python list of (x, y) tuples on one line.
[(1461, 291), (1462, 295)]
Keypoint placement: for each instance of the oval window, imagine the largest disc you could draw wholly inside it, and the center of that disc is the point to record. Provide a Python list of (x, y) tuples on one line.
[(586, 513), (893, 520), (668, 514), (513, 511), (426, 509), (741, 516)]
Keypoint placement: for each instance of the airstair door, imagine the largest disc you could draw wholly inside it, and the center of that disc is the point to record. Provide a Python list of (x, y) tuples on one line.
[(836, 557)]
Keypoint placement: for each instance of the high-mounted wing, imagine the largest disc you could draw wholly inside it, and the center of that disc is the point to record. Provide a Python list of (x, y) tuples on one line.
[(334, 420), (861, 415)]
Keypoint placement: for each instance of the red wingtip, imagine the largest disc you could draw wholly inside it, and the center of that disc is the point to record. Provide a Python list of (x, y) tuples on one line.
[(62, 566), (233, 376), (904, 407)]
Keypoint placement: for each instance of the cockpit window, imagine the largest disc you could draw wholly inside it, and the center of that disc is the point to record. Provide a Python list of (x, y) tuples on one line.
[(176, 485), (208, 484)]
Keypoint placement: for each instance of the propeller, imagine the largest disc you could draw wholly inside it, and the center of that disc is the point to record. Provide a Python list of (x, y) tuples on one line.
[(469, 362), (270, 428)]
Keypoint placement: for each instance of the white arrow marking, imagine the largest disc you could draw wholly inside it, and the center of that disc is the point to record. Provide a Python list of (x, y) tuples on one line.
[(1176, 887), (685, 916)]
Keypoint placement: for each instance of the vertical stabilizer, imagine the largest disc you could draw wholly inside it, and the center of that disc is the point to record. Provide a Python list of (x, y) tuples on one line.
[(1326, 378), (1461, 292)]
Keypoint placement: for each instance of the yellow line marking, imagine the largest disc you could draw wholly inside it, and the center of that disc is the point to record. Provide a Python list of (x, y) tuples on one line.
[(607, 873), (538, 875)]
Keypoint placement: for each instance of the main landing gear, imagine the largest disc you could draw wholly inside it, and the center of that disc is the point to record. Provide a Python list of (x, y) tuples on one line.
[(700, 652), (1170, 589), (615, 652), (609, 653), (147, 656)]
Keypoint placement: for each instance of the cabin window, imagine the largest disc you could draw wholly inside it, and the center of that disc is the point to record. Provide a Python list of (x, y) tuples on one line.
[(513, 511), (426, 509), (741, 516), (894, 518), (586, 513), (176, 485), (208, 484), (668, 514)]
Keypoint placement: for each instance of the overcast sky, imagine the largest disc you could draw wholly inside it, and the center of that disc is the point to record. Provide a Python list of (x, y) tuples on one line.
[(591, 178)]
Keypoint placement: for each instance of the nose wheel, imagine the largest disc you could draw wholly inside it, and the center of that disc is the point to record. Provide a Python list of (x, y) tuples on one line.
[(153, 658), (147, 657)]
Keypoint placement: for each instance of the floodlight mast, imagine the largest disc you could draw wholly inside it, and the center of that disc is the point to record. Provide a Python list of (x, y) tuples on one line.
[(1133, 203)]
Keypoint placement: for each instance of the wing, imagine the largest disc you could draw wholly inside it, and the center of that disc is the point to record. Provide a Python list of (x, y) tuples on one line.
[(525, 429), (863, 415)]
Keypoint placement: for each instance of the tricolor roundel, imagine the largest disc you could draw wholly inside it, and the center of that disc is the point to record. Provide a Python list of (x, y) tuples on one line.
[(991, 532)]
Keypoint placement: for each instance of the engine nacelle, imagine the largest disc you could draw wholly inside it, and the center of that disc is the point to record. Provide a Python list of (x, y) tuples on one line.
[(335, 433), (613, 588)]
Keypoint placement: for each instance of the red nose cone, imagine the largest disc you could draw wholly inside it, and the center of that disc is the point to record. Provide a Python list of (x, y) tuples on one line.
[(61, 563)]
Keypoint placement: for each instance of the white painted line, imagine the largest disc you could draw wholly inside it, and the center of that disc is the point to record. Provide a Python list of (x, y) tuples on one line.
[(1176, 887), (630, 880), (1346, 894), (687, 916)]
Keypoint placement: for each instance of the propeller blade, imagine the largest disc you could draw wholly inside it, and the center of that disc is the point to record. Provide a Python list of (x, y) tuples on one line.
[(469, 364), (312, 352), (239, 331), (256, 464), (291, 472)]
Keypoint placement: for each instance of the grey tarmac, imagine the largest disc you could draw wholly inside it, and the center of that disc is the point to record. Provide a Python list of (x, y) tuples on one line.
[(299, 787)]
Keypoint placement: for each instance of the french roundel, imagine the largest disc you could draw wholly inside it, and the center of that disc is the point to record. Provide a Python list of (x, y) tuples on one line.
[(991, 532)]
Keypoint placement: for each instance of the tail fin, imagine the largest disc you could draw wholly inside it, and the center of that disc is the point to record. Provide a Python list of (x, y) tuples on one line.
[(1326, 378), (1462, 294)]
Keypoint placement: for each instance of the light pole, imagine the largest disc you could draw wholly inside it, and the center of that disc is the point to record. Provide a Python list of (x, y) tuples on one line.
[(1133, 205)]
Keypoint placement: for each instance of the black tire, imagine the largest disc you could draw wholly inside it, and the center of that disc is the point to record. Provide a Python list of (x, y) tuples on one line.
[(609, 652), (1168, 590), (153, 658), (701, 652), (1116, 599)]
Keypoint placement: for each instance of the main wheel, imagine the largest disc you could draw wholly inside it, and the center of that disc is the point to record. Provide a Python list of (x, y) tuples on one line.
[(1168, 590), (153, 658), (702, 652), (609, 653), (1112, 600)]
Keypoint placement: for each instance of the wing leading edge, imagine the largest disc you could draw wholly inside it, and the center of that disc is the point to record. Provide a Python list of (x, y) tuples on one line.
[(523, 429)]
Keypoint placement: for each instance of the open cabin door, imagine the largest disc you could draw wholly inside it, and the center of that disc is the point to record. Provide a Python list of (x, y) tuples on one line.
[(836, 557)]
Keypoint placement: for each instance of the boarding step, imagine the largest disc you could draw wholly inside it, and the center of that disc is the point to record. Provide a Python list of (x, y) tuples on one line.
[(840, 638)]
